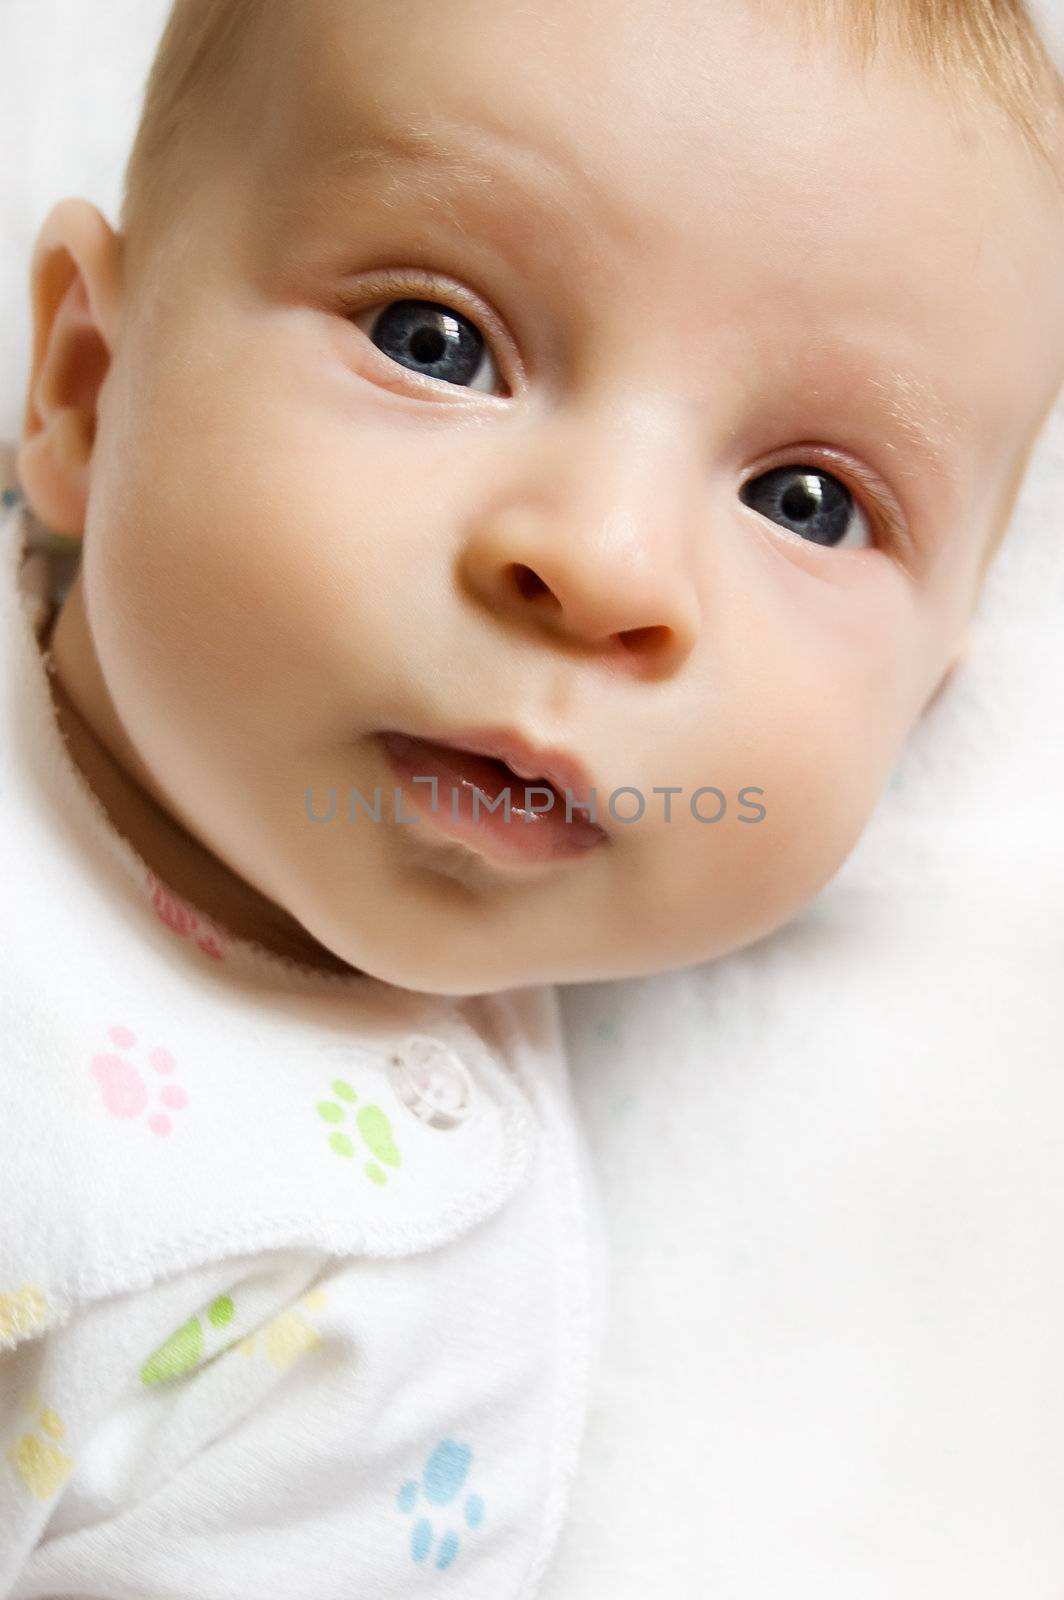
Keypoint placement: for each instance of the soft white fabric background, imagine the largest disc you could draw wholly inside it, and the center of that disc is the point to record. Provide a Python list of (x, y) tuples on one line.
[(832, 1164)]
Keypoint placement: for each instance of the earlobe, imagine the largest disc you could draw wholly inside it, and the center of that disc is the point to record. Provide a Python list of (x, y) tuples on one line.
[(76, 290)]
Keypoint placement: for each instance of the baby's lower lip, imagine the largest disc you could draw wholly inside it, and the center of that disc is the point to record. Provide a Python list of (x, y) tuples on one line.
[(527, 837)]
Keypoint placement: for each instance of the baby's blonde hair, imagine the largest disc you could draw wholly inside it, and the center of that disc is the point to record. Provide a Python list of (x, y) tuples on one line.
[(203, 51)]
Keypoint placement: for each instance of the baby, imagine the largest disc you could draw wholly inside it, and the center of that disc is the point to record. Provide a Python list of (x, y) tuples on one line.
[(489, 519)]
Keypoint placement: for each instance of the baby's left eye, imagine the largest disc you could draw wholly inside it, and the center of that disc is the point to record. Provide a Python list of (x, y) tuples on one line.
[(808, 501), (433, 340)]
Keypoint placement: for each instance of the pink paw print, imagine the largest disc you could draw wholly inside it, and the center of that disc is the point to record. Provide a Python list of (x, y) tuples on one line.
[(181, 919), (124, 1092)]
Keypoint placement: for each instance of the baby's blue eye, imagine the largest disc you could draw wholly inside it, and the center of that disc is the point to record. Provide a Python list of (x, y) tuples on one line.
[(806, 500), (430, 339)]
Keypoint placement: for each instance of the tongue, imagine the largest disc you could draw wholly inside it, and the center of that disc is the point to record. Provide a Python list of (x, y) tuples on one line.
[(485, 773)]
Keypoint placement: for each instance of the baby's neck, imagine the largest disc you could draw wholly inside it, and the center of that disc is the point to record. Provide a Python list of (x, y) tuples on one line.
[(178, 860)]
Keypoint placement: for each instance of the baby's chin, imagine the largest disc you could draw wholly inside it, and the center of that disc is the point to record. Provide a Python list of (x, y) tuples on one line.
[(447, 964), (454, 969)]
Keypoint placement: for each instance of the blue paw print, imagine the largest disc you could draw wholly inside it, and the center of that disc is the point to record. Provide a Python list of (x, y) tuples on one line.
[(446, 1471)]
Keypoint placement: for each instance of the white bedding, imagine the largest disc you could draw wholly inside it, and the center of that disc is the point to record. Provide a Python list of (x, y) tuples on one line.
[(833, 1164)]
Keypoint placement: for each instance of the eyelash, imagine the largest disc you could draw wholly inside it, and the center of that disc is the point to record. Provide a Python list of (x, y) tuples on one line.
[(886, 520), (397, 284)]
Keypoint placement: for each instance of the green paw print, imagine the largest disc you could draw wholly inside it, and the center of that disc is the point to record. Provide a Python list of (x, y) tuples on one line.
[(183, 1351), (377, 1132)]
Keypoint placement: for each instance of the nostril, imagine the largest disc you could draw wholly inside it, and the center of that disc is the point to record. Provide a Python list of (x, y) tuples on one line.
[(529, 584), (642, 641)]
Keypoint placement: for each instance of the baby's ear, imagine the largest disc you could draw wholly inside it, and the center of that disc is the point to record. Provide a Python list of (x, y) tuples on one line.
[(76, 291)]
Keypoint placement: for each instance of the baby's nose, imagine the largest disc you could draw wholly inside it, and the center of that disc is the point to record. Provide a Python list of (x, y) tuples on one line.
[(607, 567)]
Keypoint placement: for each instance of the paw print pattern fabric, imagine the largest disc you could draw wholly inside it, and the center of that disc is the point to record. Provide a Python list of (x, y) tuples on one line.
[(300, 1275)]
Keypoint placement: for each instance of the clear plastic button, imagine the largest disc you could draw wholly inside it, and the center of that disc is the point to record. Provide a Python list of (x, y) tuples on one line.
[(431, 1080)]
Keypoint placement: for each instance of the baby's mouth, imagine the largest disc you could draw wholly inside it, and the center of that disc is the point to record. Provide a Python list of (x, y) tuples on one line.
[(469, 770), (493, 776), (483, 800)]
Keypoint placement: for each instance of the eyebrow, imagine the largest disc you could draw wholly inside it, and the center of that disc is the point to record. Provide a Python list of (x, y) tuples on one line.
[(482, 159), (444, 148), (930, 426), (911, 402), (424, 153)]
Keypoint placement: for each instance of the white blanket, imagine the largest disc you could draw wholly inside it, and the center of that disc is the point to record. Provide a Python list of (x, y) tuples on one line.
[(833, 1164)]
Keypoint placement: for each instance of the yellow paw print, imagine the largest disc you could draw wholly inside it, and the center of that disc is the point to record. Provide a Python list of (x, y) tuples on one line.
[(287, 1337), (22, 1314), (42, 1467)]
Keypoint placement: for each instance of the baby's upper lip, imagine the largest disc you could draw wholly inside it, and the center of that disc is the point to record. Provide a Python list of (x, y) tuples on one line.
[(560, 768)]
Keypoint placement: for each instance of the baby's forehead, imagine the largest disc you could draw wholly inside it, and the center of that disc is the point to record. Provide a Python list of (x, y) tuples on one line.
[(812, 221), (664, 93)]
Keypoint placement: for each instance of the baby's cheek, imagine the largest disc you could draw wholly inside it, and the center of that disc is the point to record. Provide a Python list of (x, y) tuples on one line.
[(826, 777), (767, 834)]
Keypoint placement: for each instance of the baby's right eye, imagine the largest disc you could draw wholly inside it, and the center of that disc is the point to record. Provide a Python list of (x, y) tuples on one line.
[(808, 501), (434, 341)]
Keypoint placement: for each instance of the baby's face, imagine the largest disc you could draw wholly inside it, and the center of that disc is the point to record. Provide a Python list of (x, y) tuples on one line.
[(742, 359)]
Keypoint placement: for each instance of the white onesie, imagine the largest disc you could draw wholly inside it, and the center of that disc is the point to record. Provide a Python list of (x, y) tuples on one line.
[(301, 1276)]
